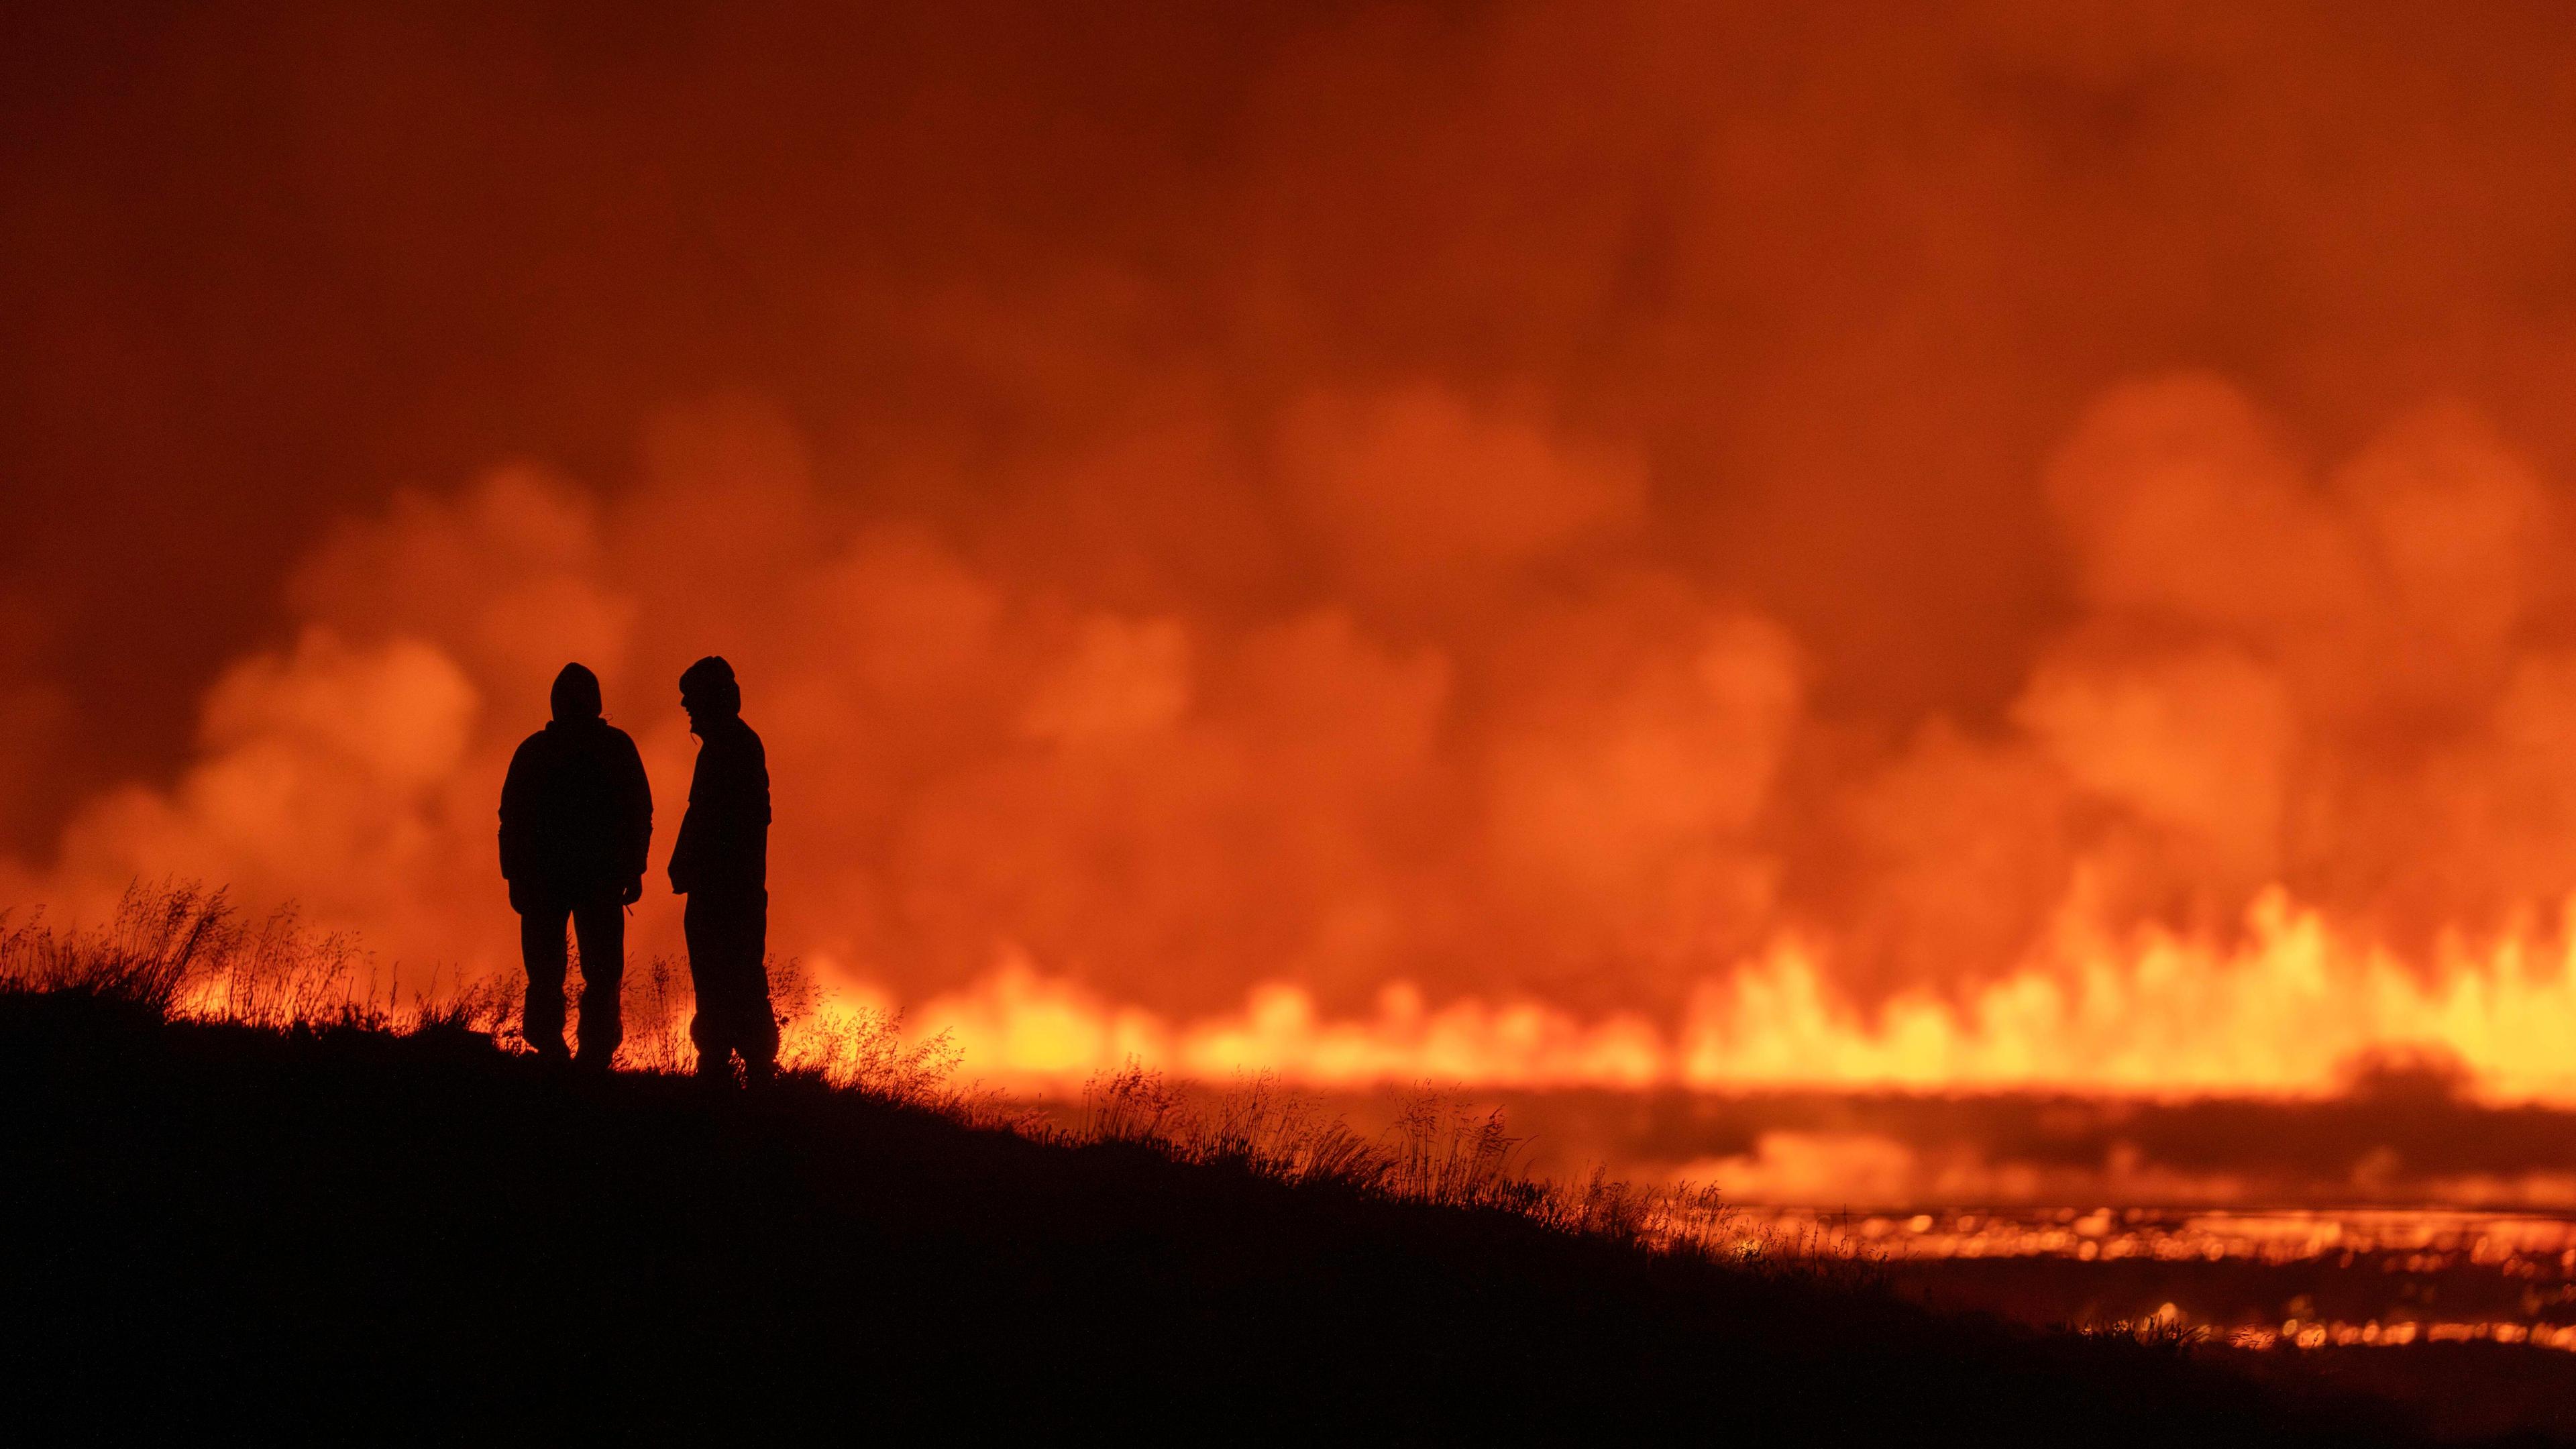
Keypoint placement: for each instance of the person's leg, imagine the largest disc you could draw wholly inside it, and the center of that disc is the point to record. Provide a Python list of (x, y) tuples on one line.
[(600, 924), (728, 934), (541, 946), (756, 1031), (700, 924)]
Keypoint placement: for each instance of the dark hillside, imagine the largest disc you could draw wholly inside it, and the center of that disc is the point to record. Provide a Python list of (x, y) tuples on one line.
[(216, 1228)]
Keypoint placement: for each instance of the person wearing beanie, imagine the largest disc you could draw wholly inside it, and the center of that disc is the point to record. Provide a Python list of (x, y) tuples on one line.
[(721, 863), (576, 818)]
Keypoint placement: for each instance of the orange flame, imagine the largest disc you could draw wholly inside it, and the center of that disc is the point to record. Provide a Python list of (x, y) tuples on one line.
[(2157, 1013)]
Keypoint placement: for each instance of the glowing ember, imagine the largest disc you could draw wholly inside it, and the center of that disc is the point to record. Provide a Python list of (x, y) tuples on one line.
[(2258, 1280)]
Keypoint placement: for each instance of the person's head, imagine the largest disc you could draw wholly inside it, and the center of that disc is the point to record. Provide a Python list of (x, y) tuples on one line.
[(709, 692), (576, 696)]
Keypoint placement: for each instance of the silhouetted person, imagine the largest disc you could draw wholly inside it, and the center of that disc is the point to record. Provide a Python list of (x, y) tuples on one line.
[(576, 816), (721, 863)]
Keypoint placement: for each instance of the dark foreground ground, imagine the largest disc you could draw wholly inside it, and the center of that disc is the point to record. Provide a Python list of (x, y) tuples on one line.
[(217, 1231)]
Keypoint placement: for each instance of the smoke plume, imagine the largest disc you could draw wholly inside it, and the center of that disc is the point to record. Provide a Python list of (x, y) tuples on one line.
[(1566, 506)]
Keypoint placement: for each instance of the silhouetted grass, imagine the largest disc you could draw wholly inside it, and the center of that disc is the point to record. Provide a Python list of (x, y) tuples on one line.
[(177, 948), (1441, 1151), (366, 1217)]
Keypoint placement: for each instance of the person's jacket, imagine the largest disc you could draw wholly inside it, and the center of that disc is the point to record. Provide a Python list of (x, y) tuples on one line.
[(724, 837), (576, 810)]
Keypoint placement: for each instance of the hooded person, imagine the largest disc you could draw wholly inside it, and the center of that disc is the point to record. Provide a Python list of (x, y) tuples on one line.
[(721, 863), (576, 819)]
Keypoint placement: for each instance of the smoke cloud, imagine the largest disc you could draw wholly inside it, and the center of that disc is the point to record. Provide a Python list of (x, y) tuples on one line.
[(1544, 505)]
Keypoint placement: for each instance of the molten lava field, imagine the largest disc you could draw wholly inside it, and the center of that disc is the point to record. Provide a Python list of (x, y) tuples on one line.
[(222, 1229)]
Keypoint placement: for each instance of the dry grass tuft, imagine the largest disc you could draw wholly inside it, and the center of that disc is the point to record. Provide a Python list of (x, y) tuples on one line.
[(1443, 1151), (182, 951)]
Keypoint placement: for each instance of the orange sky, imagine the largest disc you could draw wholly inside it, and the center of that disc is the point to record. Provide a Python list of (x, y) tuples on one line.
[(1539, 500)]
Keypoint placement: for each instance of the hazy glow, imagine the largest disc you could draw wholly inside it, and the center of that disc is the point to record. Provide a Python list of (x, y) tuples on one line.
[(1568, 544)]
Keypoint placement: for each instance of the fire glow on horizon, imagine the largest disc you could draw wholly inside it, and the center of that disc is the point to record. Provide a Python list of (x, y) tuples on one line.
[(1572, 544), (2288, 1012)]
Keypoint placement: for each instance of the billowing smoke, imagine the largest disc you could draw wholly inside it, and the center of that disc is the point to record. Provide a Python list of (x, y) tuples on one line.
[(1555, 506), (1497, 749), (1556, 788)]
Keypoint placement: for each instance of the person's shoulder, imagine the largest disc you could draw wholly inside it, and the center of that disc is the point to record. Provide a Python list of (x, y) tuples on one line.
[(620, 739), (535, 744)]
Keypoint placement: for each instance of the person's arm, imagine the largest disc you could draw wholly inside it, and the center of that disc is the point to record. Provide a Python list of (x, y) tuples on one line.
[(756, 828), (746, 801), (515, 788), (635, 792), (684, 848)]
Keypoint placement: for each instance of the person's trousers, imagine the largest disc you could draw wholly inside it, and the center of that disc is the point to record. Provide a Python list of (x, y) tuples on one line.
[(728, 935), (600, 924)]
